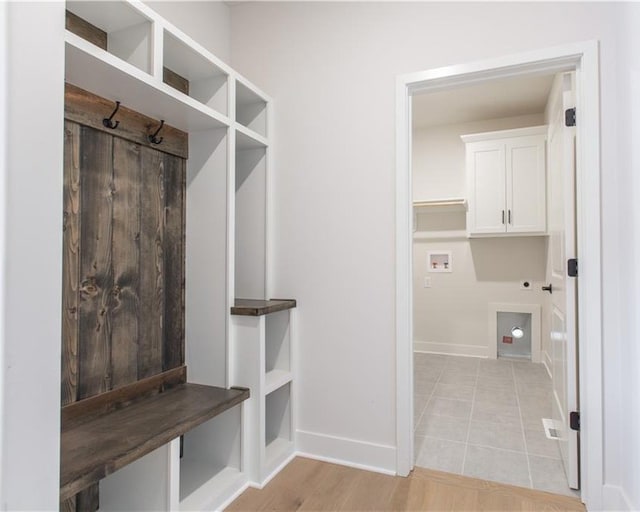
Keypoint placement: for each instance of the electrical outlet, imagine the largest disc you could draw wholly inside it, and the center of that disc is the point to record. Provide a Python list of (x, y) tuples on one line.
[(427, 282), (526, 284)]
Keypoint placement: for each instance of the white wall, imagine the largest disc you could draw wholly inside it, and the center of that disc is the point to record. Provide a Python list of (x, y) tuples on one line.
[(32, 258), (208, 23), (438, 155), (331, 68), (484, 270)]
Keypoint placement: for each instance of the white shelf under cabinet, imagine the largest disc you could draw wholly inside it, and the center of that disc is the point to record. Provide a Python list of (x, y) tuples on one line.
[(102, 73), (215, 490)]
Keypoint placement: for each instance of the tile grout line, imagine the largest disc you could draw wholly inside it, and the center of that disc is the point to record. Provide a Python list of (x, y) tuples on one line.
[(473, 401), (524, 437), (424, 409)]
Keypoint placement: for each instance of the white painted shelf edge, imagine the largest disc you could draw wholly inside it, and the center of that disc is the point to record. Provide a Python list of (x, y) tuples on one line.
[(215, 491), (275, 379), (102, 73), (248, 139)]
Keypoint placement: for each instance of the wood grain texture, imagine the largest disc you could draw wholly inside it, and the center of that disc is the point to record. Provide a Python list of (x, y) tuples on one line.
[(85, 30), (175, 80), (174, 261), (255, 307), (307, 484), (151, 270), (89, 110), (89, 408), (70, 262), (96, 276), (125, 249), (94, 449)]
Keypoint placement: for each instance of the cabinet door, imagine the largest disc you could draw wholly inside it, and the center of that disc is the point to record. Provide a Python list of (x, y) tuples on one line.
[(486, 187), (526, 192)]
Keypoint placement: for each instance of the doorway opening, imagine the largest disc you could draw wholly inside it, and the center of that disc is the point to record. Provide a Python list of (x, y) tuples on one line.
[(459, 227)]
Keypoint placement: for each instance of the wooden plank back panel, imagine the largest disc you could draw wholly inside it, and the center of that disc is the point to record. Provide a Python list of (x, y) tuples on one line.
[(70, 265), (125, 244), (96, 271), (174, 255), (122, 231), (152, 246)]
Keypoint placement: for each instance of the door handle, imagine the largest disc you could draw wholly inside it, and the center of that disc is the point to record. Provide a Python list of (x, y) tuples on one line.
[(503, 216), (509, 216), (548, 288)]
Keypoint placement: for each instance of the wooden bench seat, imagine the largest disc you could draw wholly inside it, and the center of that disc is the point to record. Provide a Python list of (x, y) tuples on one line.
[(103, 443)]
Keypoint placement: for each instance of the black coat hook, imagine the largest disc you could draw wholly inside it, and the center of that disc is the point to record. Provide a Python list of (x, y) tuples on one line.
[(107, 121), (153, 138)]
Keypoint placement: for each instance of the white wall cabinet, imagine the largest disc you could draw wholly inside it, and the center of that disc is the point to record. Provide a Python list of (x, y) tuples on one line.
[(506, 182)]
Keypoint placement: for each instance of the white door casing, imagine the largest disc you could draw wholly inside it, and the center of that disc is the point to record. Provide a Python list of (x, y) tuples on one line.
[(583, 58)]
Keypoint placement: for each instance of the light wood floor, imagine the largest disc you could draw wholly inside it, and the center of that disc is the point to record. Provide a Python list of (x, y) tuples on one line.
[(307, 484)]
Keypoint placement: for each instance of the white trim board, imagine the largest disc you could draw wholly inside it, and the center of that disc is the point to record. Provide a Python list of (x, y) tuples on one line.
[(450, 349), (583, 58), (347, 452)]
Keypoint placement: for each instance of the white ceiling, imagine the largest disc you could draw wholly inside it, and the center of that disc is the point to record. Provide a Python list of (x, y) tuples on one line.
[(504, 97)]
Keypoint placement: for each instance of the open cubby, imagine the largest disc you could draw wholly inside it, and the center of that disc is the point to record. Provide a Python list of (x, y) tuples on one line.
[(141, 486), (250, 224), (206, 265), (277, 422), (117, 27), (251, 109), (211, 462), (277, 355), (201, 78)]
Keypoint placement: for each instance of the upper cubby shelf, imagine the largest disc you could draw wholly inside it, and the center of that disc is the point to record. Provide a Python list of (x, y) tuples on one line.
[(125, 51), (251, 108), (116, 27), (193, 73)]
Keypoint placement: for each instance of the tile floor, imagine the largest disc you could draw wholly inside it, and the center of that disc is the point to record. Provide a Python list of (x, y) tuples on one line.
[(483, 418)]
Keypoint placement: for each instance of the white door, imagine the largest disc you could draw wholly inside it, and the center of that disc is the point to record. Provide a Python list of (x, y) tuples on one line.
[(562, 246)]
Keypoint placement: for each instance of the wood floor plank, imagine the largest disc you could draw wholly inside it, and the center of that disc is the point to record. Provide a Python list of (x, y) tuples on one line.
[(307, 484)]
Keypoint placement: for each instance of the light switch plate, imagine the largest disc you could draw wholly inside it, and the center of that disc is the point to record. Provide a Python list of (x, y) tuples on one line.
[(427, 282)]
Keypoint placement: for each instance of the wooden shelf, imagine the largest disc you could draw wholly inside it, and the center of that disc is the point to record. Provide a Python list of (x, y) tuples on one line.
[(255, 307), (98, 447)]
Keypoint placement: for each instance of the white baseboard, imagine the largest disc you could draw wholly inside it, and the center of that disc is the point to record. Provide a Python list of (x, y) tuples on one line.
[(615, 499), (347, 452), (449, 349)]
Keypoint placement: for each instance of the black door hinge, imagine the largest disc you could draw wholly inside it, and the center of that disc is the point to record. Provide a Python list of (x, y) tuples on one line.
[(574, 421), (570, 117), (572, 267)]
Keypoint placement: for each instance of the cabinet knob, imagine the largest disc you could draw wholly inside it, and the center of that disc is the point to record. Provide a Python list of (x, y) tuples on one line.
[(548, 288)]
